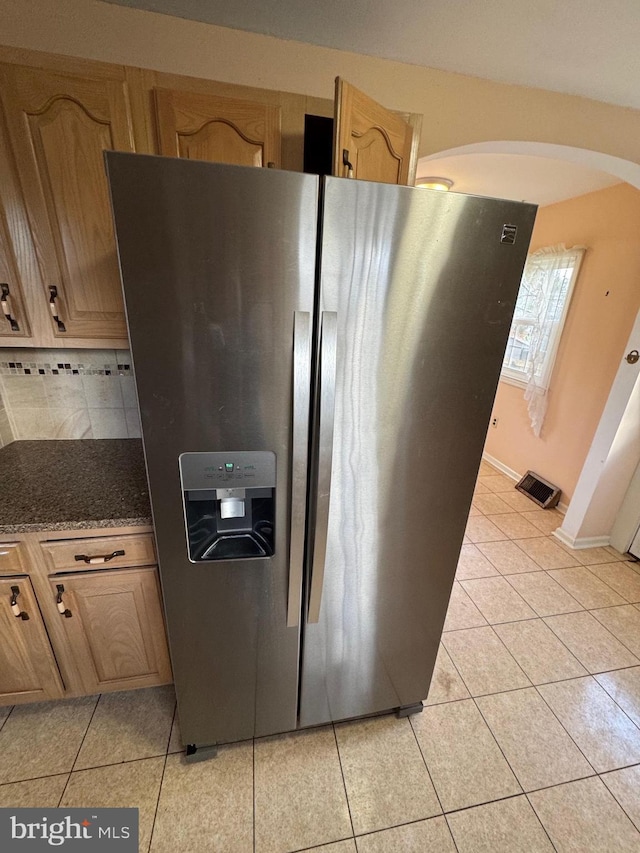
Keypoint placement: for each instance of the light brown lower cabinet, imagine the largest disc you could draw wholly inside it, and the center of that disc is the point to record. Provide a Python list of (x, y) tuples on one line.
[(114, 627), (28, 669)]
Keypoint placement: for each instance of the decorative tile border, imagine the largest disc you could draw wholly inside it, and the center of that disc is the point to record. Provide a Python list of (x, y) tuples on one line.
[(34, 368)]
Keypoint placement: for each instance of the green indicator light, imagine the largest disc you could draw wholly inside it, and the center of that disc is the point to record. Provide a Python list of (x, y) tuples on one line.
[(228, 466)]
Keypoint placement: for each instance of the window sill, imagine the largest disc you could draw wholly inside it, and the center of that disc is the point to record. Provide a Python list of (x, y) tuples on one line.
[(510, 380)]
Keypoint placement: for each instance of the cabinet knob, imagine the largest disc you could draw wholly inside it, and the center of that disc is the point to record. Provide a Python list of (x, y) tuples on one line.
[(53, 307), (6, 307), (15, 607), (62, 609), (345, 162)]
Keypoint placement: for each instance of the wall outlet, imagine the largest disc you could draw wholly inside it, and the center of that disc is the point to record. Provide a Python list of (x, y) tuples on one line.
[(494, 422)]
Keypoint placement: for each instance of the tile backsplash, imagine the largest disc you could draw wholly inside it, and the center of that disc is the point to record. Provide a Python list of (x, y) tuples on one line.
[(75, 393)]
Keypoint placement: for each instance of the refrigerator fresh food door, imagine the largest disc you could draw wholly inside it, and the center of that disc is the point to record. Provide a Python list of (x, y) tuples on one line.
[(417, 292), (218, 266)]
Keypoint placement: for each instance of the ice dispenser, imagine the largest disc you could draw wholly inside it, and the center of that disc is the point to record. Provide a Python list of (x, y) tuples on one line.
[(229, 504)]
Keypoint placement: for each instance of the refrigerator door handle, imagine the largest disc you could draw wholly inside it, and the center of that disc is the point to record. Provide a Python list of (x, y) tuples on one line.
[(327, 382), (299, 461)]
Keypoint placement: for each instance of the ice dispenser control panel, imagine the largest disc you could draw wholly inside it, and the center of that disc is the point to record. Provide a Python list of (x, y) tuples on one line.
[(229, 504)]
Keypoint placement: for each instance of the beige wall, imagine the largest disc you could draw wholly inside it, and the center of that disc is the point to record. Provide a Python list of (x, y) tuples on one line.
[(605, 303), (458, 110)]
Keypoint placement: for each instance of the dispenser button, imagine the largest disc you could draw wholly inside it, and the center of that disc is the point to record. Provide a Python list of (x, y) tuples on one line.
[(228, 466)]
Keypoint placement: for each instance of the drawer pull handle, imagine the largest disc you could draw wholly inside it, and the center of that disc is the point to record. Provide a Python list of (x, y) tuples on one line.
[(60, 603), (15, 607), (103, 558), (53, 295), (6, 307)]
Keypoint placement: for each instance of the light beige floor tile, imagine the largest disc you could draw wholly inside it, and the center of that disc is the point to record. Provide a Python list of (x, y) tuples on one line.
[(497, 483), (135, 784), (623, 685), (207, 806), (35, 794), (607, 737), (474, 511), (384, 774), (508, 558), (586, 588), (347, 846), (538, 749), (594, 556), (545, 595), (462, 612), (539, 652), (509, 826), (590, 642), (486, 469), (481, 489), (583, 816), (519, 502), (546, 553), (491, 504), (545, 520), (4, 713), (621, 578), (483, 661), (128, 725), (299, 794), (624, 623), (625, 786), (446, 684), (515, 526), (464, 761), (473, 564), (497, 600), (43, 739), (426, 836), (480, 529)]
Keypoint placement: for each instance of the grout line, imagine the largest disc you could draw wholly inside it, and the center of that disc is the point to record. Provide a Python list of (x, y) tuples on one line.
[(544, 828), (79, 748), (4, 722), (344, 781), (433, 784), (155, 813)]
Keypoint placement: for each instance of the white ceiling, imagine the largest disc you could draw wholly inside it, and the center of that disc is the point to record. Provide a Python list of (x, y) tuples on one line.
[(583, 47), (516, 176)]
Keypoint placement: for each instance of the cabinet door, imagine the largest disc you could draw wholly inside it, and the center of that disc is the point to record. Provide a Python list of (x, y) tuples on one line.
[(59, 125), (28, 670), (222, 130), (379, 145), (114, 626)]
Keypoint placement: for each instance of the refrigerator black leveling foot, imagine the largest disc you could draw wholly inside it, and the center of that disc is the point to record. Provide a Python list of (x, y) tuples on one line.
[(193, 753), (409, 710)]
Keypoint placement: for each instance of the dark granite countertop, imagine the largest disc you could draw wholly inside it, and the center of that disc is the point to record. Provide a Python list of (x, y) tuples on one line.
[(64, 485)]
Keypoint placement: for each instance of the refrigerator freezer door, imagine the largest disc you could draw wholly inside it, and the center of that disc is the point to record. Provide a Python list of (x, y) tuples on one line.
[(423, 286), (216, 260)]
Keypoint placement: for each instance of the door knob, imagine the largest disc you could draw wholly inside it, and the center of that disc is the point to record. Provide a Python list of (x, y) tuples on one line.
[(633, 356)]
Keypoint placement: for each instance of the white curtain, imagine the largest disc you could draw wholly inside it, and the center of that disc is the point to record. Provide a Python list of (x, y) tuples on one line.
[(548, 276)]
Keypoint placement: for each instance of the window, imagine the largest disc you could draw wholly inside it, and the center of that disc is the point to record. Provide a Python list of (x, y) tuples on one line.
[(541, 308)]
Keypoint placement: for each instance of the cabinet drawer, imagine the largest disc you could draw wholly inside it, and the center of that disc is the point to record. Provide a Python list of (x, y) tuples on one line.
[(12, 558), (109, 552)]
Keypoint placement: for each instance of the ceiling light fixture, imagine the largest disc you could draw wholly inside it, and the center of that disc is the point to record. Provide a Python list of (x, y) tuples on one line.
[(441, 184)]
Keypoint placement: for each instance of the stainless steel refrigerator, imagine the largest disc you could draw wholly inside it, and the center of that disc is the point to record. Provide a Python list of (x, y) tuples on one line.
[(316, 362)]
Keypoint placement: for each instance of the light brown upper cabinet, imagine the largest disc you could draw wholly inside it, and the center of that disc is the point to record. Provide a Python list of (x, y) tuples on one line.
[(370, 142), (200, 126), (58, 125)]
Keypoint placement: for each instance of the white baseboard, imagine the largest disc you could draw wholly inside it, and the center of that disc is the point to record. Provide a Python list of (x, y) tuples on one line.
[(508, 472), (513, 475), (581, 542)]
